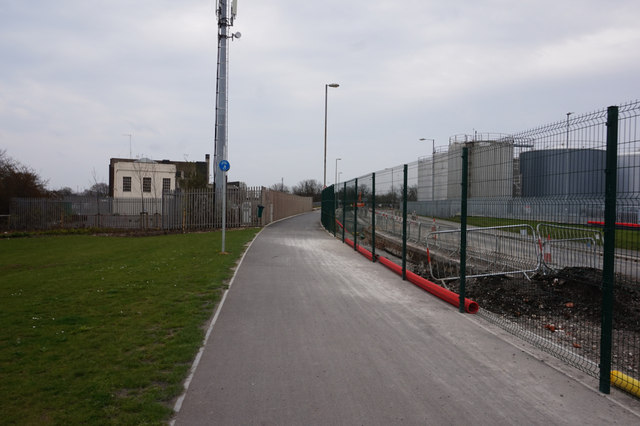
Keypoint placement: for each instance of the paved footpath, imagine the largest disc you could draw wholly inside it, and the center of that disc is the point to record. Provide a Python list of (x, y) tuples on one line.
[(312, 333)]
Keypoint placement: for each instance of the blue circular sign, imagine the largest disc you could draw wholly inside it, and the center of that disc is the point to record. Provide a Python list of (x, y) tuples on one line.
[(224, 165)]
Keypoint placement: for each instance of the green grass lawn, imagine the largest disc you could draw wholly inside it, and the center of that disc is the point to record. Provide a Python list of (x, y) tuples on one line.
[(103, 330)]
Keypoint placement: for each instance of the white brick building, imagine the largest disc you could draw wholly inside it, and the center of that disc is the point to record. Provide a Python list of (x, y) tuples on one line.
[(142, 178)]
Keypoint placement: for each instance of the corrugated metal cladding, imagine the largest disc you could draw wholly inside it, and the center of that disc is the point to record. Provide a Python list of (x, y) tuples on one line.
[(563, 172), (491, 170), (432, 177)]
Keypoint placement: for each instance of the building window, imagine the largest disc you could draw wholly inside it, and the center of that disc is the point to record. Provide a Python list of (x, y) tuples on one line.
[(126, 184), (146, 184), (166, 184)]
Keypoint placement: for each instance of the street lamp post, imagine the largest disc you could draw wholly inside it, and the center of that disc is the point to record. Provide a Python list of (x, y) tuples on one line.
[(326, 89), (336, 181)]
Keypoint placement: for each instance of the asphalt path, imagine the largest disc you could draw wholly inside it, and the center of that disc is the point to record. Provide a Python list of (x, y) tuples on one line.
[(312, 333)]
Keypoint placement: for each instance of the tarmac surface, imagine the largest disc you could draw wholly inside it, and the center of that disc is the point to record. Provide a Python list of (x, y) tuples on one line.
[(312, 333)]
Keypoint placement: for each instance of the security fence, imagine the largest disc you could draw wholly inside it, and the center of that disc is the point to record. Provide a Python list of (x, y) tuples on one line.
[(175, 210), (541, 228)]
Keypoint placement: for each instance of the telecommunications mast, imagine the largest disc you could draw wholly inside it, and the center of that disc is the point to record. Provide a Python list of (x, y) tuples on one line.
[(225, 21), (226, 16)]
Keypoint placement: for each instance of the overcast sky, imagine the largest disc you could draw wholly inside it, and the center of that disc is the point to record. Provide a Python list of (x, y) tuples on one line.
[(77, 75)]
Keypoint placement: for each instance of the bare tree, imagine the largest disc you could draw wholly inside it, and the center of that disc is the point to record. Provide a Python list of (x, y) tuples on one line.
[(17, 180), (309, 188), (99, 189), (194, 177), (281, 187)]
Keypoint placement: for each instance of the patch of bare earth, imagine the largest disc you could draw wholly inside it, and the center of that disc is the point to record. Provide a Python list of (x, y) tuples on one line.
[(565, 308)]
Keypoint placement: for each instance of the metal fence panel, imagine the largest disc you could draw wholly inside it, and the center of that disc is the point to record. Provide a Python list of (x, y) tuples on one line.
[(535, 211), (176, 210)]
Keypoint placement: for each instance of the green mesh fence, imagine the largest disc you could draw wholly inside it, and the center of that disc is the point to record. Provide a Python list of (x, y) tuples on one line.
[(539, 233)]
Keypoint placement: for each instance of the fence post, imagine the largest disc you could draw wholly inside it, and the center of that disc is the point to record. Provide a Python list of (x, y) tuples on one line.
[(404, 224), (334, 207), (373, 217), (344, 210), (355, 216), (463, 226), (608, 258)]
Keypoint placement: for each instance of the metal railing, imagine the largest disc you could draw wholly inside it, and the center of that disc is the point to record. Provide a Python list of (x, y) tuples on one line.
[(176, 210)]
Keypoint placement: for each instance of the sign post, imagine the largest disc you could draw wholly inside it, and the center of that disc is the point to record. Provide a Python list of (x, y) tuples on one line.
[(224, 167)]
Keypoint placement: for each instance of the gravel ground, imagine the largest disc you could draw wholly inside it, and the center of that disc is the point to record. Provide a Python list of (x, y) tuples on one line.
[(565, 308)]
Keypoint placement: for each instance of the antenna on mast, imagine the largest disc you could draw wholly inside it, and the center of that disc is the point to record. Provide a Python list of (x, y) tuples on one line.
[(234, 9)]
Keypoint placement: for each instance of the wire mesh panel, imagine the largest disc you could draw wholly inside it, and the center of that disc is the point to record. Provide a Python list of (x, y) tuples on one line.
[(364, 204), (177, 210), (536, 204), (522, 280), (625, 357), (349, 200), (569, 246), (491, 251), (389, 188), (328, 213)]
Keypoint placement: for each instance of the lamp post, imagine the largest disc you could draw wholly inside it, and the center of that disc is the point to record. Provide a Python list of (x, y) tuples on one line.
[(326, 90), (433, 165), (336, 181), (433, 144)]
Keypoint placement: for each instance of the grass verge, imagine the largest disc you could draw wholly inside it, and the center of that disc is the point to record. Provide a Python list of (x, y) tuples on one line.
[(103, 330)]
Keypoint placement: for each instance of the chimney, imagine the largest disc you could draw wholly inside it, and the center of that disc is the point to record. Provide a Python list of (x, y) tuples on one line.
[(207, 159)]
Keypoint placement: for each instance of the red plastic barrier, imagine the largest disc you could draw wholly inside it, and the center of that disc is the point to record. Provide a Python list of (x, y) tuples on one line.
[(447, 295), (366, 253), (389, 264), (618, 224)]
